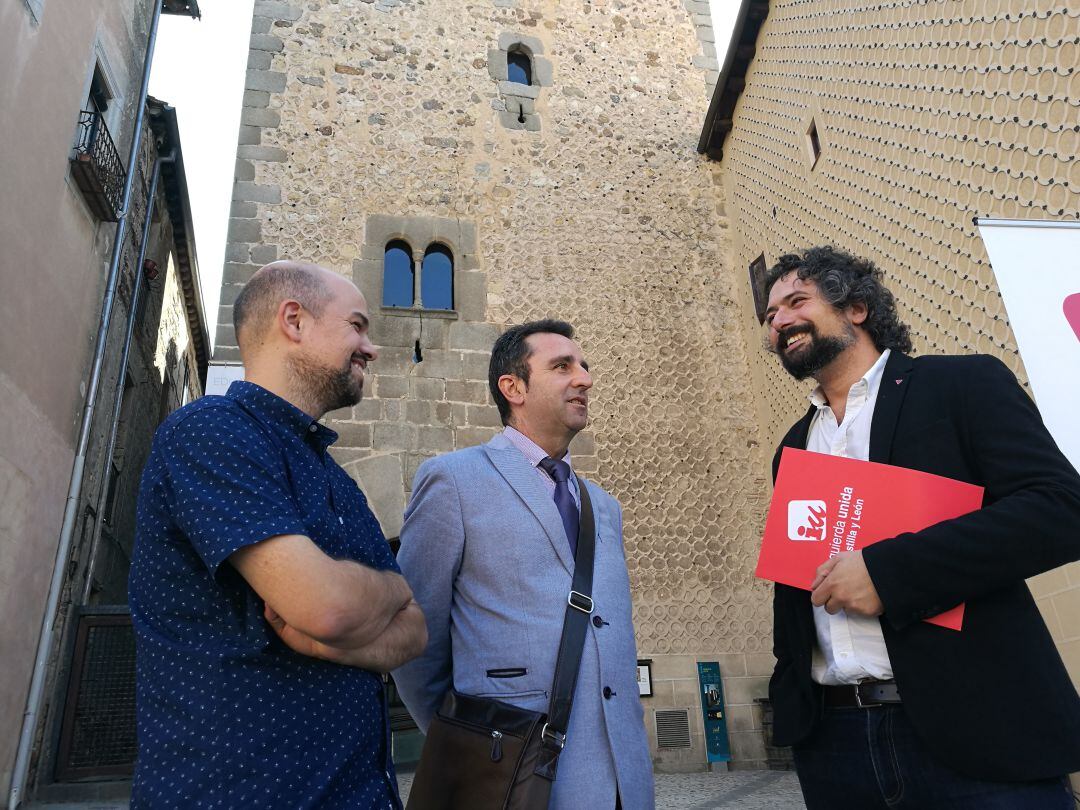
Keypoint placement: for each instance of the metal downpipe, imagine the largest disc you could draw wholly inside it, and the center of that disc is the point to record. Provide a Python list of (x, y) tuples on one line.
[(118, 402), (45, 639)]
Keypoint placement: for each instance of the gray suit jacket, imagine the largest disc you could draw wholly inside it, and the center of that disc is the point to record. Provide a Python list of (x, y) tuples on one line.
[(484, 550)]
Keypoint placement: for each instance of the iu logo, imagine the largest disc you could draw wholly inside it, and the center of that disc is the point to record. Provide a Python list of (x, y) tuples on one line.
[(806, 520), (1072, 312)]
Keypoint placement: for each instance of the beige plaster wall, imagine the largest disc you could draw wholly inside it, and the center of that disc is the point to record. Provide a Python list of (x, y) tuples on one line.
[(929, 115), (606, 217), (51, 284)]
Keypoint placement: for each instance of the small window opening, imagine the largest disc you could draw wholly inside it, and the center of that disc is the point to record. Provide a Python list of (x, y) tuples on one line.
[(99, 93), (814, 143), (398, 275), (518, 67), (438, 278)]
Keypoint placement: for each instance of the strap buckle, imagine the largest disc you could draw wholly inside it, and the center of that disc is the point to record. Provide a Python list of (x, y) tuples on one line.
[(556, 738), (580, 601)]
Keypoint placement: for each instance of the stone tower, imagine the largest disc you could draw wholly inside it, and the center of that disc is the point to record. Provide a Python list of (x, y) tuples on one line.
[(374, 126)]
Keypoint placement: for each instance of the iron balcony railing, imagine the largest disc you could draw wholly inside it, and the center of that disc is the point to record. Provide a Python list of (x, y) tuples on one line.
[(97, 167)]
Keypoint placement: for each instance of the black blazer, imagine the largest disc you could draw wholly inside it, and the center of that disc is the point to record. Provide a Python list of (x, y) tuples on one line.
[(993, 701)]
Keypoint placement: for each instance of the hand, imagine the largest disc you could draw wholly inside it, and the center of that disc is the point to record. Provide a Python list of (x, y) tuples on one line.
[(843, 583), (298, 641)]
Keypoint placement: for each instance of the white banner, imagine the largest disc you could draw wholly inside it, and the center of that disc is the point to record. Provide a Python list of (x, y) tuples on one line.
[(219, 376), (1037, 265)]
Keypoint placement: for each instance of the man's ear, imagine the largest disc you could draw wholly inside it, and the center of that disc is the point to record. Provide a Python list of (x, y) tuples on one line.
[(858, 312), (513, 388), (290, 319)]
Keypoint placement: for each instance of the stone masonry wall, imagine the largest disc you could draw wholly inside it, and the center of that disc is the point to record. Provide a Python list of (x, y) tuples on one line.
[(364, 119)]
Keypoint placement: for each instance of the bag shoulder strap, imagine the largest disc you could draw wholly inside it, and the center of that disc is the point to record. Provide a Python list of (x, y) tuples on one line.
[(579, 607)]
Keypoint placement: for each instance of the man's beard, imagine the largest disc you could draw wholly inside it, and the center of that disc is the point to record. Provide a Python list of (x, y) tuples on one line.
[(324, 387), (809, 360)]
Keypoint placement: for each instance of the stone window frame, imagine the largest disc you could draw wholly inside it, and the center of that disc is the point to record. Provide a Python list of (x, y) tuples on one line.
[(417, 257), (420, 233), (36, 8), (519, 100)]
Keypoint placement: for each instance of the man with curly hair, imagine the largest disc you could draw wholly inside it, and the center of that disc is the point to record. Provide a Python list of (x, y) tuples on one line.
[(882, 708)]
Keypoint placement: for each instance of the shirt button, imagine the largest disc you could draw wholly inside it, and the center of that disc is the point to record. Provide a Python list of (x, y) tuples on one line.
[(609, 693), (597, 621), (313, 427)]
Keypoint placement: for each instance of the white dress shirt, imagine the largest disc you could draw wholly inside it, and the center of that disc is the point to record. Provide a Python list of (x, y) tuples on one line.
[(850, 648)]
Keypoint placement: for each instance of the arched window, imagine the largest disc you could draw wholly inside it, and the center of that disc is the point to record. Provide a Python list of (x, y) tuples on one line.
[(397, 275), (518, 66), (437, 285)]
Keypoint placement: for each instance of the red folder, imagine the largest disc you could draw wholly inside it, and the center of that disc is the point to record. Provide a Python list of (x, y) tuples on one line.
[(823, 505)]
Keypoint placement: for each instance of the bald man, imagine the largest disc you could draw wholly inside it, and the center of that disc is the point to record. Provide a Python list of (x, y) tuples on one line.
[(265, 599)]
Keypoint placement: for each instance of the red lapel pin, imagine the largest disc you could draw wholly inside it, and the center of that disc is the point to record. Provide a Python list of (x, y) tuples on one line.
[(899, 381)]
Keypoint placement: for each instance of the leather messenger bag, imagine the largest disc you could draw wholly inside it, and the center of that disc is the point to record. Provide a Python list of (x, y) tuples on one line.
[(484, 754)]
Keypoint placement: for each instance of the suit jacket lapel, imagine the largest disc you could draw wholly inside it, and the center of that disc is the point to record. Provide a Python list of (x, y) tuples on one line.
[(526, 482), (895, 381)]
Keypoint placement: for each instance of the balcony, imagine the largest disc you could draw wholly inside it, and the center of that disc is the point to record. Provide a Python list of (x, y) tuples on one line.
[(96, 167)]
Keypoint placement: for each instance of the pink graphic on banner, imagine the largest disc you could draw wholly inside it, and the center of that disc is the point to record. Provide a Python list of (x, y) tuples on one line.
[(1071, 306)]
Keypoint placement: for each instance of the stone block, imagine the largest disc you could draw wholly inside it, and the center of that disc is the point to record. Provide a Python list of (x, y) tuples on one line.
[(261, 25), (232, 273), (228, 295), (266, 42), (741, 718), (243, 170), (427, 388), (381, 477), (584, 444), (760, 664), (442, 364), (238, 253), (509, 39), (443, 413), (473, 436), (473, 336), (268, 80), (434, 438), (276, 10), (412, 464), (705, 62), (392, 410), (254, 192), (353, 434), (464, 391), (393, 436), (388, 387), (394, 330), (249, 136), (395, 361), (484, 416), (367, 410), (419, 411), (259, 60), (669, 667), (244, 230), (587, 465), (471, 300), (226, 334), (241, 209), (264, 254), (543, 72), (270, 154), (475, 366), (496, 64), (256, 98), (747, 745), (459, 414), (518, 90), (745, 690), (253, 116)]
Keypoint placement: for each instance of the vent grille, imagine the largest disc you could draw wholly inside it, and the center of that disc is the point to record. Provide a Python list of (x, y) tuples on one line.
[(97, 737), (673, 728)]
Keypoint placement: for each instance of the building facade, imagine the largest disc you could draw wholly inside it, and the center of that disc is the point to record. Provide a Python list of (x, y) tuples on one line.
[(72, 93), (887, 130), (481, 165)]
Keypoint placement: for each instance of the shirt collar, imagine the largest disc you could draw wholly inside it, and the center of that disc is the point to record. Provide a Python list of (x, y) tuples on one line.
[(868, 383), (530, 449), (277, 411)]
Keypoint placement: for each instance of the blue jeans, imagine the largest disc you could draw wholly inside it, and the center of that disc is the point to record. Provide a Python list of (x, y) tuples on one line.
[(866, 759)]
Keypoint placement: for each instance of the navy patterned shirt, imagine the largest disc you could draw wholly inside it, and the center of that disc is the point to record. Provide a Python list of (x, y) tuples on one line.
[(228, 716)]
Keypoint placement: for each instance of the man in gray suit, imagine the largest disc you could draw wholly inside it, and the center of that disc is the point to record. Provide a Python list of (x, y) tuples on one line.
[(486, 553)]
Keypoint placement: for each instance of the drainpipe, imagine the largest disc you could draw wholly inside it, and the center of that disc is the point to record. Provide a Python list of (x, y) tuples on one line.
[(63, 550), (118, 402)]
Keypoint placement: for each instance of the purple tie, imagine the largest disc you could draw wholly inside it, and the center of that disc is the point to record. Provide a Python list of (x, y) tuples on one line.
[(564, 501)]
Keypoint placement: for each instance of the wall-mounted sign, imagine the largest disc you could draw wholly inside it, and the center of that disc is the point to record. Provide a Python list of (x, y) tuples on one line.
[(219, 376), (644, 677)]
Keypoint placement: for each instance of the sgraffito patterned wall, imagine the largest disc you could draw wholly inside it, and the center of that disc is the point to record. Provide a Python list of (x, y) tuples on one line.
[(605, 216), (929, 113)]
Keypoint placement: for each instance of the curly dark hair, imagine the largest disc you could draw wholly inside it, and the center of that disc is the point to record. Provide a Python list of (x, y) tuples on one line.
[(843, 280)]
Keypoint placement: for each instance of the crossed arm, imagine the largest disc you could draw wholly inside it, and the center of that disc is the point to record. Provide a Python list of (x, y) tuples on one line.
[(337, 610)]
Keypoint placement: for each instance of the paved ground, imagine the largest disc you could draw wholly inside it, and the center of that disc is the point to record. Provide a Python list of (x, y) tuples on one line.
[(742, 790)]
